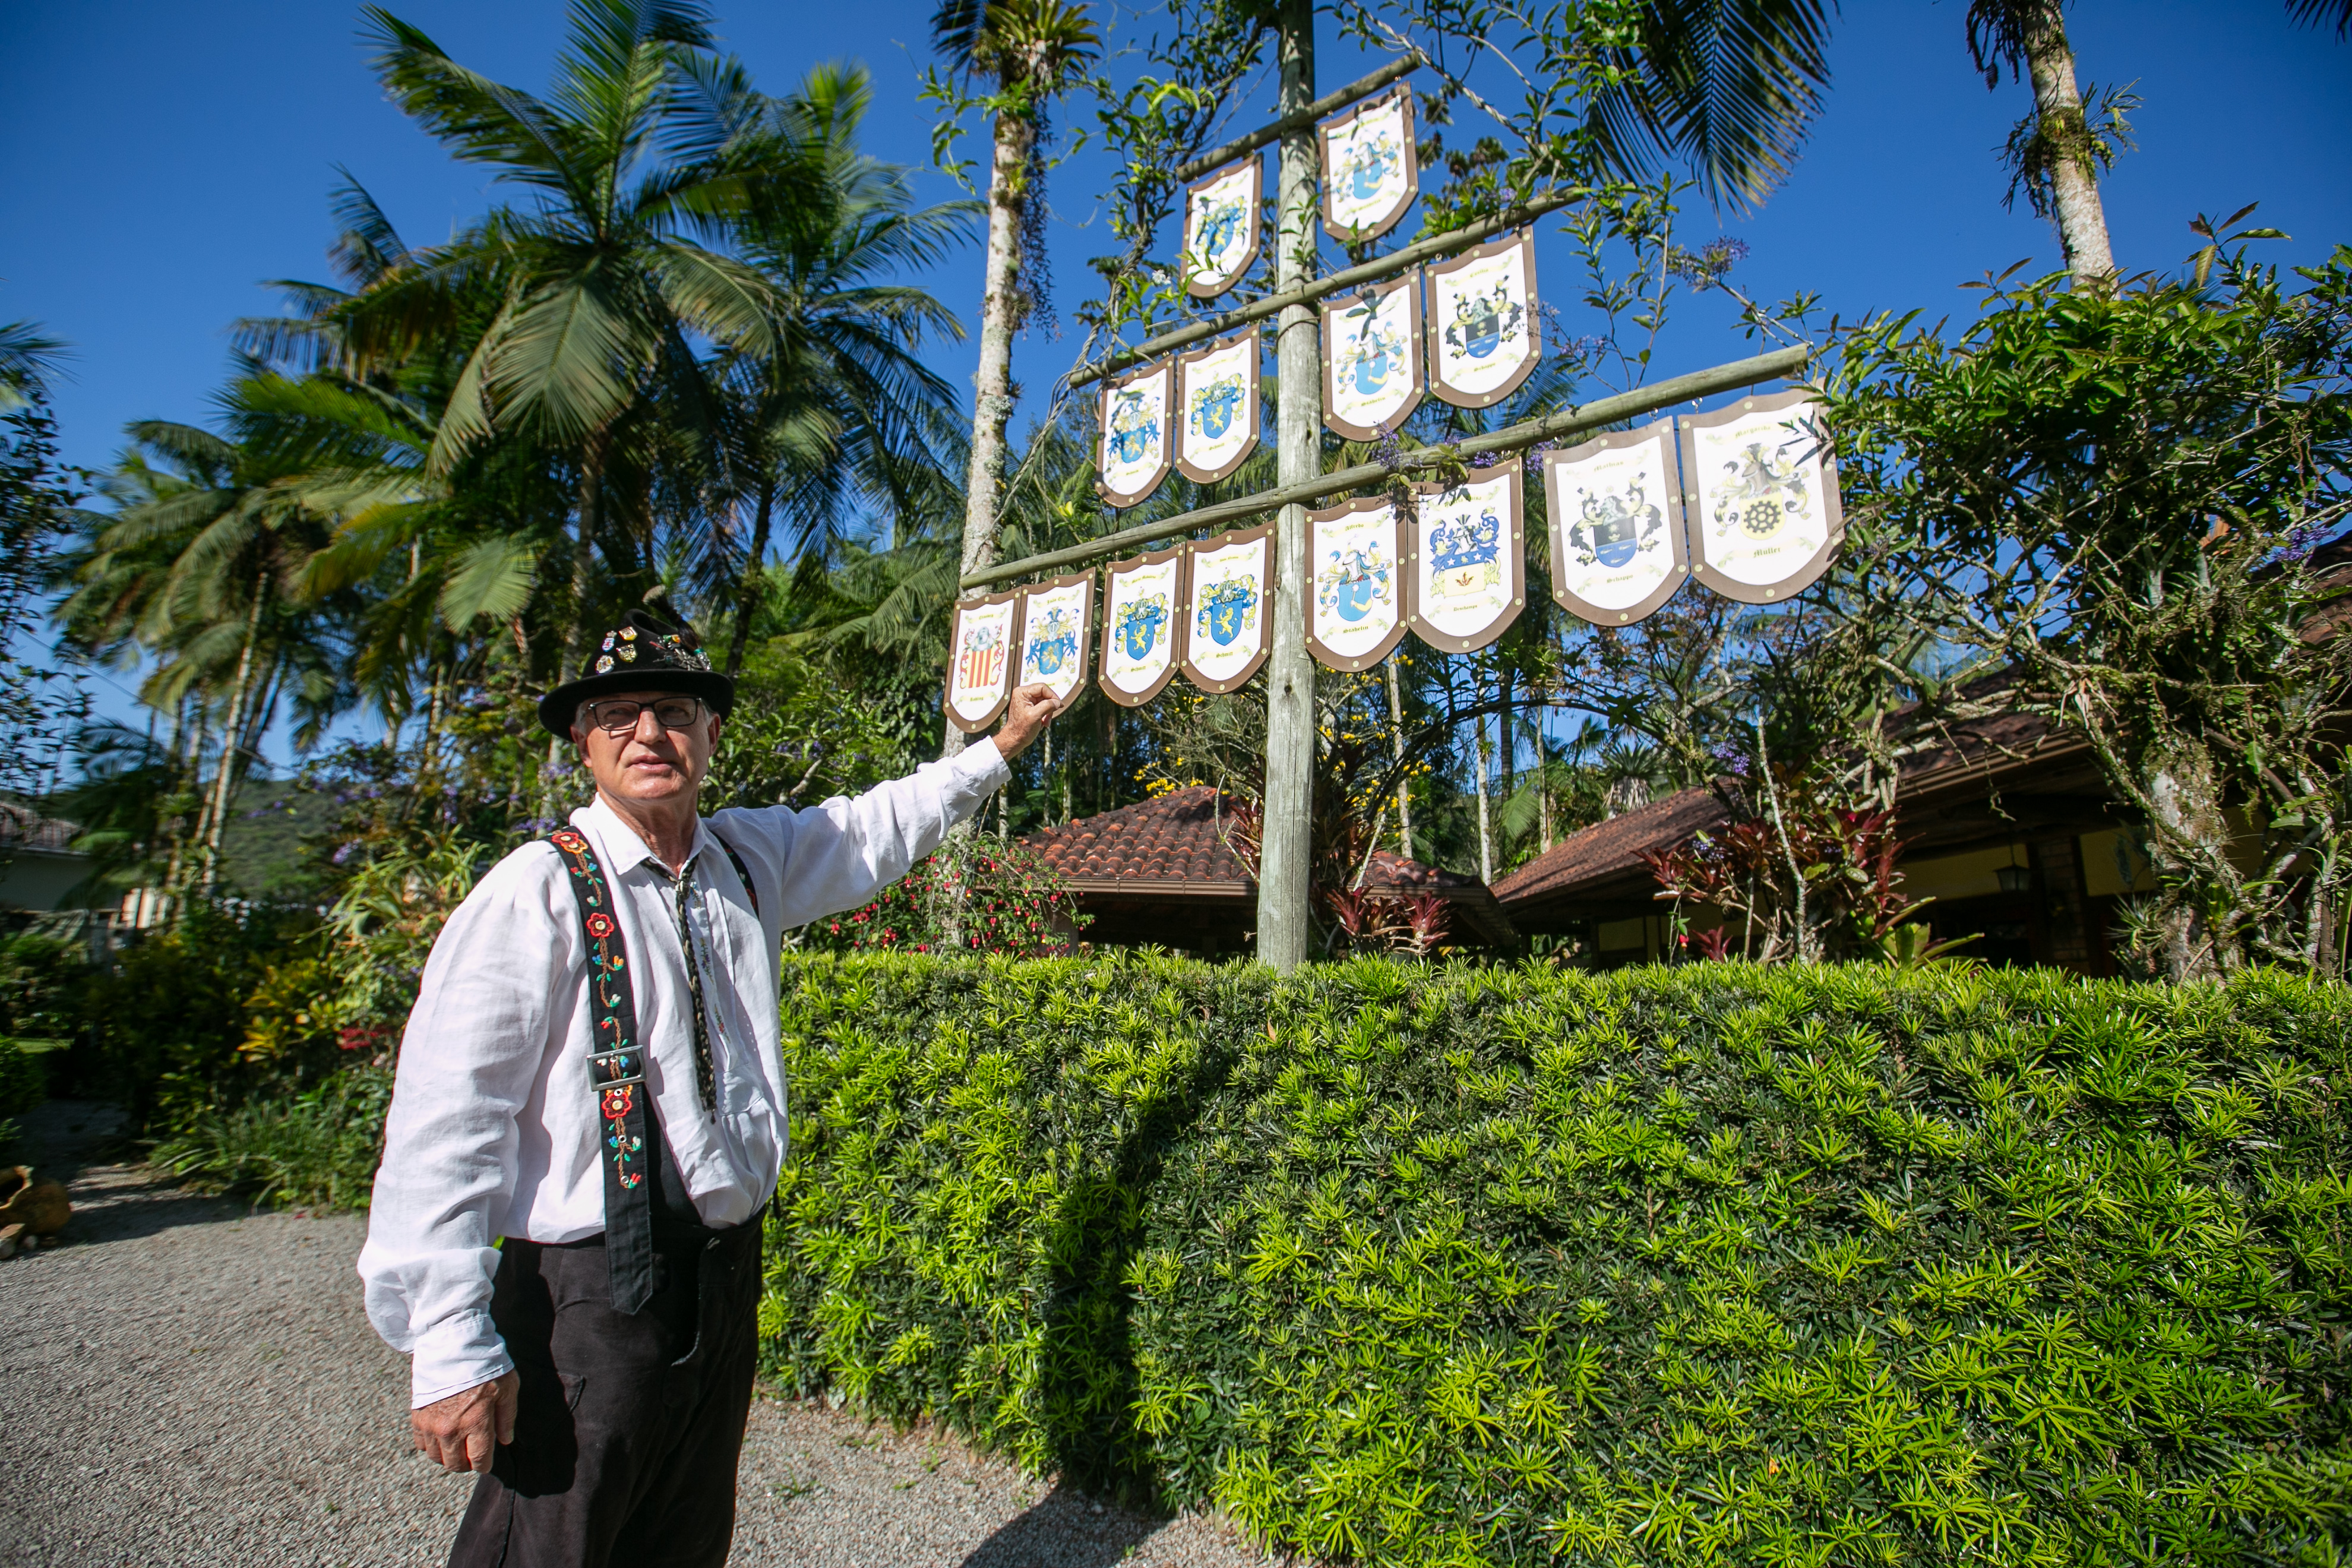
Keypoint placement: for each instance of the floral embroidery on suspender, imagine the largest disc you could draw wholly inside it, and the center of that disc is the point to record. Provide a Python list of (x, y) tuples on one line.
[(607, 968)]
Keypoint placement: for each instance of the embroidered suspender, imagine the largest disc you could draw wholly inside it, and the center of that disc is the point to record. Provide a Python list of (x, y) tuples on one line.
[(616, 1072), (616, 1068), (742, 872)]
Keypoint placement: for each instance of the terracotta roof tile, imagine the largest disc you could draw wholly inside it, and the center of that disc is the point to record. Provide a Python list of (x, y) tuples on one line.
[(1178, 838), (1177, 845), (1612, 848)]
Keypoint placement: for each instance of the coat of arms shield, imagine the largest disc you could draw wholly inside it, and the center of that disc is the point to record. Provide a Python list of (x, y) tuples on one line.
[(1616, 516), (1055, 633), (1370, 170), (1764, 479), (1229, 628), (1222, 226), (1371, 358), (980, 660), (1143, 610), (1468, 559), (1483, 336), (1354, 555), (1217, 392), (1137, 440)]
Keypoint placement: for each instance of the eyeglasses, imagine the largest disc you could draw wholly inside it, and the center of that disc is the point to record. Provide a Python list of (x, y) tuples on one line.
[(619, 715)]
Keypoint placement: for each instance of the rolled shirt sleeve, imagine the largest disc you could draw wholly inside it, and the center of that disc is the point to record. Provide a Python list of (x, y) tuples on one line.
[(839, 854), (487, 1006)]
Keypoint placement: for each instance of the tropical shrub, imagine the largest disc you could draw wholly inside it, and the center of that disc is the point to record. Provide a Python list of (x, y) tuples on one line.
[(166, 1026), (1707, 1264), (317, 1147)]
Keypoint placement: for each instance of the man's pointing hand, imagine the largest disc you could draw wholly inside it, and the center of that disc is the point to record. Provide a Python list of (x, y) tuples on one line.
[(1025, 718)]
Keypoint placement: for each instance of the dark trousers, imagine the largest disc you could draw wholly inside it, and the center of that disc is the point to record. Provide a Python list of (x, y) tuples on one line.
[(630, 1424)]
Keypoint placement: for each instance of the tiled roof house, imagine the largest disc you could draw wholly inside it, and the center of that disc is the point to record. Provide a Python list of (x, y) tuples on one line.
[(2007, 826), (1163, 871)]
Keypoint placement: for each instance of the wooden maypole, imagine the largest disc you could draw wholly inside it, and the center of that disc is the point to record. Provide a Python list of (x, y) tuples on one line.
[(1283, 922)]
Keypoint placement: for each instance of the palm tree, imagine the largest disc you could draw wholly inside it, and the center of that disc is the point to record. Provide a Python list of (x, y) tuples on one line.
[(1036, 50), (1729, 85), (203, 566), (28, 356), (2320, 12), (842, 404), (2056, 152), (357, 412), (648, 144), (1726, 86)]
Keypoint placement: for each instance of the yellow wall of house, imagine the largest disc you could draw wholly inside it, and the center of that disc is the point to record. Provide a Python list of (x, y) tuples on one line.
[(1969, 876), (1617, 936), (2114, 864)]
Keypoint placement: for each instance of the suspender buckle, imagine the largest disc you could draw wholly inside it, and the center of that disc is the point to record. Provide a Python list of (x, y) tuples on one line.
[(615, 1068)]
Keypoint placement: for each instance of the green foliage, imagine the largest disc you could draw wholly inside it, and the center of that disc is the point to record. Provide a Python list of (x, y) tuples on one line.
[(2116, 497), (318, 1147), (973, 1142), (165, 1028), (1704, 1265), (792, 741)]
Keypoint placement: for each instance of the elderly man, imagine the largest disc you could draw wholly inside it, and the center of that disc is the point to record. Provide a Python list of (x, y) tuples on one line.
[(589, 1116)]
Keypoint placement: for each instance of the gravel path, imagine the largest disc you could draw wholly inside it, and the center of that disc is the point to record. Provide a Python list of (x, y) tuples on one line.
[(182, 1382)]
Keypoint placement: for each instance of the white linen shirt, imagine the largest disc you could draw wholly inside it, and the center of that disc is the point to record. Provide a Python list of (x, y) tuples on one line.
[(493, 1130)]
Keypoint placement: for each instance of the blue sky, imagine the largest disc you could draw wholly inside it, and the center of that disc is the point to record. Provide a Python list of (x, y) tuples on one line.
[(161, 159)]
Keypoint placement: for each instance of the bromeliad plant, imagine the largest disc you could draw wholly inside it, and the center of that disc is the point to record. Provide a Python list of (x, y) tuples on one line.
[(1802, 877)]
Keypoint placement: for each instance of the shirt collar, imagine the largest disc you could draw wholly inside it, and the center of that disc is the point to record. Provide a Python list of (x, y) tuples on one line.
[(618, 848)]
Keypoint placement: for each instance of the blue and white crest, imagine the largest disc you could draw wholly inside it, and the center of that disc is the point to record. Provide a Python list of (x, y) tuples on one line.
[(1370, 169), (1136, 434), (1221, 227), (1053, 645), (1371, 345), (1134, 427), (1226, 611), (1140, 622)]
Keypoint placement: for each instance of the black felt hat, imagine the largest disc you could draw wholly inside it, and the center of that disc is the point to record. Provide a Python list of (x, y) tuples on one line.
[(641, 654)]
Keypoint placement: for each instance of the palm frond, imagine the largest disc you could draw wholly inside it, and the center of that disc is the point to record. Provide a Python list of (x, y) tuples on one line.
[(1727, 86), (2319, 12), (491, 579)]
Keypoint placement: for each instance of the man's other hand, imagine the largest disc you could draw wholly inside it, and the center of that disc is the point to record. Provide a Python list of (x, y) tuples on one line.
[(460, 1432), (1025, 718)]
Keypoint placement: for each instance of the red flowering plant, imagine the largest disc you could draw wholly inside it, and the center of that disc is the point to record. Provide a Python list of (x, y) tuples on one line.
[(1795, 874), (976, 895)]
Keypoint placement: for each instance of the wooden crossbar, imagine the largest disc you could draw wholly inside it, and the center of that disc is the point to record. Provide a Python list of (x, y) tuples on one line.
[(1551, 427), (1266, 135), (1372, 271)]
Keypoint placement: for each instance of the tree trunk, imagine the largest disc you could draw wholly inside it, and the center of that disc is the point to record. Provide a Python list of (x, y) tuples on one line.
[(187, 770), (2074, 174), (232, 739), (754, 565), (2189, 852), (1286, 872), (1000, 317), (1543, 796), (1396, 749), (583, 556), (1486, 829)]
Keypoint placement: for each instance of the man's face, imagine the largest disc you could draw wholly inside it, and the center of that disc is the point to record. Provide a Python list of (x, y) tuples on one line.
[(649, 763)]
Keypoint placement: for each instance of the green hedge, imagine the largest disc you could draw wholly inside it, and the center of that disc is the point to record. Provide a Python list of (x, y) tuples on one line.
[(1711, 1263), (974, 1141)]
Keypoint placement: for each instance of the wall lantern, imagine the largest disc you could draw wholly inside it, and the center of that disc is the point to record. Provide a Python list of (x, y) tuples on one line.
[(2013, 877)]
